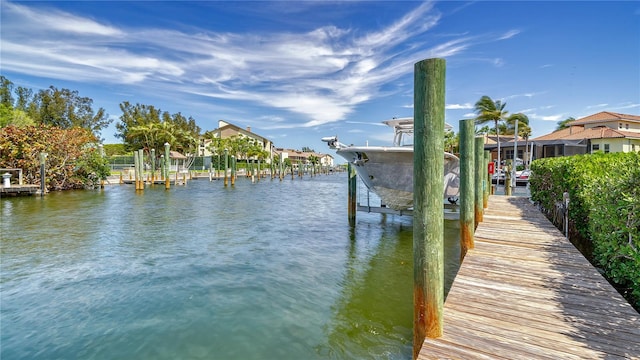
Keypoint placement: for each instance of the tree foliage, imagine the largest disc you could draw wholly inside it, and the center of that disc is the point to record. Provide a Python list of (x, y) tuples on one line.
[(62, 108), (72, 157), (564, 123), (147, 127), (489, 110)]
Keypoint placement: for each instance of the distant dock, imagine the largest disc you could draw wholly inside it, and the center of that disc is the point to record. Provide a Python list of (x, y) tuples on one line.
[(19, 190), (526, 292)]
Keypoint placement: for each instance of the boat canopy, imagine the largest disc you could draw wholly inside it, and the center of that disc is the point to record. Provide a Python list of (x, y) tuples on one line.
[(402, 126)]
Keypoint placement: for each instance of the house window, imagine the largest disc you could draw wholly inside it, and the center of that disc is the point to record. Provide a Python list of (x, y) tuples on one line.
[(595, 147), (606, 148), (626, 126)]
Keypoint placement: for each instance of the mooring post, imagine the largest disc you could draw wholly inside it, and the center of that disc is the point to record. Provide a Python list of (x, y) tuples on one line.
[(487, 179), (43, 161), (233, 170), (167, 166), (162, 172), (428, 213), (141, 162), (507, 178), (353, 180), (226, 166), (479, 160), (281, 166), (153, 166), (136, 165), (101, 152), (467, 185)]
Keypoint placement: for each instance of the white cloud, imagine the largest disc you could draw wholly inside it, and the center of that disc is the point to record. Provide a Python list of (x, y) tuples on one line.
[(319, 76), (509, 34), (458, 106), (557, 117)]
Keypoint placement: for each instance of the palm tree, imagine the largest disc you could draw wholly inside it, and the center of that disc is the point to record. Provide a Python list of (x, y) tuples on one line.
[(489, 110), (564, 123)]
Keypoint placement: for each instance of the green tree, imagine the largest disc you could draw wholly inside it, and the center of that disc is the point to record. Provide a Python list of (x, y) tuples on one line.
[(564, 123), (11, 114), (489, 110), (147, 127), (451, 142), (66, 109)]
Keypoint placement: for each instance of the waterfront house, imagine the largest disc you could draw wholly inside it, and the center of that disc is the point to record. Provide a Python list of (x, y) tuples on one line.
[(604, 131), (302, 157), (226, 130)]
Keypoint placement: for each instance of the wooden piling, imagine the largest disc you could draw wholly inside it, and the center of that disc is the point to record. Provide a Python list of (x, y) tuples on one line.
[(467, 185), (353, 180), (153, 166), (486, 179), (226, 166), (141, 168), (167, 167), (136, 165), (43, 161), (507, 178), (428, 214), (478, 161), (233, 170)]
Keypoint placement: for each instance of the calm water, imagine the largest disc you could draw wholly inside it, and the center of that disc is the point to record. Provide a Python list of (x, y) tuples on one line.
[(269, 270)]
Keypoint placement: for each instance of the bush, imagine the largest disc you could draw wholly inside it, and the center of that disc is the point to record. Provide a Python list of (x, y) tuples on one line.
[(72, 161), (604, 211)]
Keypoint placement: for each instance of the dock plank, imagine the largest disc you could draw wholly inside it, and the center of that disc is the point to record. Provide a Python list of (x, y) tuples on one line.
[(526, 292)]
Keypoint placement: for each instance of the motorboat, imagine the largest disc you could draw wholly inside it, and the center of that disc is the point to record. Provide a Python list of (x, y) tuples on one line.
[(387, 171)]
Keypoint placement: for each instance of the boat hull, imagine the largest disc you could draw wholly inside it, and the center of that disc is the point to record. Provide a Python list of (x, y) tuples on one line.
[(388, 172)]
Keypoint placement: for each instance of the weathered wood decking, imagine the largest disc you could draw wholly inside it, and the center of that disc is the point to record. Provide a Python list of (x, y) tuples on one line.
[(525, 292)]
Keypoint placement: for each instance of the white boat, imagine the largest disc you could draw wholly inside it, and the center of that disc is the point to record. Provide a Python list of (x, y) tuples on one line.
[(388, 170)]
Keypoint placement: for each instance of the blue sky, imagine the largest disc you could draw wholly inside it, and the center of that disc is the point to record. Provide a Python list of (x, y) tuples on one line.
[(296, 71)]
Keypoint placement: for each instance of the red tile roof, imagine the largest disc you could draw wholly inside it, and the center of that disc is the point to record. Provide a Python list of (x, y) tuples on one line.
[(576, 130), (605, 116)]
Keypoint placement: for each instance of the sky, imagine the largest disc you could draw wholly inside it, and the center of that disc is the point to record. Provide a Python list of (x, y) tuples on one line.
[(297, 71)]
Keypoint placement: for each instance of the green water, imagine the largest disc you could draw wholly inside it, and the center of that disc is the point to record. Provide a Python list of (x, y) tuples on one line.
[(267, 270)]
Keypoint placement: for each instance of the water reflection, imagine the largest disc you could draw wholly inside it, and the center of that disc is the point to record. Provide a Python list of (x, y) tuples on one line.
[(373, 317)]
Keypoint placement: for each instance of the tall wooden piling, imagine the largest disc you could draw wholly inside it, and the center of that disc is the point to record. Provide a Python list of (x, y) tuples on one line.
[(167, 166), (153, 166), (136, 166), (353, 180), (467, 185), (428, 213), (479, 160), (233, 170), (487, 179), (43, 162), (141, 162), (226, 166)]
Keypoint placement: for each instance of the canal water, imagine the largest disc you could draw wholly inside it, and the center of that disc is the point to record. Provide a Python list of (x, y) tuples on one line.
[(266, 270)]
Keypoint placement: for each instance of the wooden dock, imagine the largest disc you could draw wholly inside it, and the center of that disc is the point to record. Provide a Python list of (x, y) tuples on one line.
[(19, 190), (525, 292)]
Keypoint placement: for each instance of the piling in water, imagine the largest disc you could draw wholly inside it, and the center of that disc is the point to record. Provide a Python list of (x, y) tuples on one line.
[(353, 180), (428, 213)]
